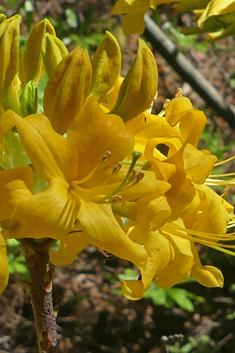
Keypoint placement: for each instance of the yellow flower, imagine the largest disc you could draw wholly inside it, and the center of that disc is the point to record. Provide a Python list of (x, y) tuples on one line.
[(134, 10), (78, 169), (169, 224), (171, 260)]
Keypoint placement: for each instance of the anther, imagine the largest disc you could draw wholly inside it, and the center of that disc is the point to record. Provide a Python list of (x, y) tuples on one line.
[(115, 198), (133, 175), (139, 176), (104, 159), (178, 92), (117, 168), (165, 104)]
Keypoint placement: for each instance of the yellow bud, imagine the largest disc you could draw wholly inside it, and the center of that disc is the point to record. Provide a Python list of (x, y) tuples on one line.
[(139, 87), (53, 51), (9, 58), (106, 66), (9, 50), (31, 63), (67, 89)]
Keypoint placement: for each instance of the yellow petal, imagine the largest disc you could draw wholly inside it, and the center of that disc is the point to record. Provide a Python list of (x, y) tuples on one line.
[(46, 149), (198, 165), (208, 276), (102, 230), (215, 8), (69, 249), (133, 23), (93, 133), (49, 214), (132, 289), (4, 272), (153, 211), (14, 184), (213, 216), (175, 108), (180, 268)]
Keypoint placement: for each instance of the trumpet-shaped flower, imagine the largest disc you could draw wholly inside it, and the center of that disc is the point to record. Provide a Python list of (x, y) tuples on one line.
[(171, 259), (168, 225), (77, 169)]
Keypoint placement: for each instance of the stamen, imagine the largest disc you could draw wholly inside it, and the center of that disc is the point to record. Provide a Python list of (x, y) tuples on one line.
[(165, 104), (75, 231), (115, 198), (178, 92), (104, 159), (133, 175), (208, 239), (225, 161), (117, 168), (215, 182), (139, 177), (136, 156)]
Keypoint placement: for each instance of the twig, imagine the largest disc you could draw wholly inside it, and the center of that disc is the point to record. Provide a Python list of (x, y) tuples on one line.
[(37, 258)]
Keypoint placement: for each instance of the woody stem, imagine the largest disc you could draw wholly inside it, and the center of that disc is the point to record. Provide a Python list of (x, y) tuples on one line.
[(41, 273)]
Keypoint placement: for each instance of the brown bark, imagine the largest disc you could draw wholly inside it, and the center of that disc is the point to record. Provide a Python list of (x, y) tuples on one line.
[(37, 258)]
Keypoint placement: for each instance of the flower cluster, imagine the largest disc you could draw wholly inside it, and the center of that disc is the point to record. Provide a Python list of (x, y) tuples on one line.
[(93, 154), (213, 16)]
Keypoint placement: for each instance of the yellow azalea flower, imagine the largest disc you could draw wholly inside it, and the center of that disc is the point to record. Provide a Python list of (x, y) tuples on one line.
[(77, 168), (4, 272), (171, 259), (134, 10), (168, 224), (214, 16)]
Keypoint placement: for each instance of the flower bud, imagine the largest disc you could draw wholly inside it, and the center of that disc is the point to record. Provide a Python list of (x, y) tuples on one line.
[(53, 51), (139, 87), (106, 66), (67, 89), (9, 58), (31, 63)]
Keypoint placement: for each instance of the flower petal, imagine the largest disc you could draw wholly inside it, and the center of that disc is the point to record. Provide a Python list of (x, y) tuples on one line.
[(102, 230), (208, 276), (69, 248), (49, 214), (4, 272)]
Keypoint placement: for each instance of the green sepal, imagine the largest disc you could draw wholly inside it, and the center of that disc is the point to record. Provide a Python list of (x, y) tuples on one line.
[(29, 99)]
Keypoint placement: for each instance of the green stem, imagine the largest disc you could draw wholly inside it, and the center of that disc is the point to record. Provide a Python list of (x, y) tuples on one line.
[(37, 258)]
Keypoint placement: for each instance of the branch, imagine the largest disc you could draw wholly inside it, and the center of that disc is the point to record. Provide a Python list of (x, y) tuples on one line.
[(163, 45), (37, 258)]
